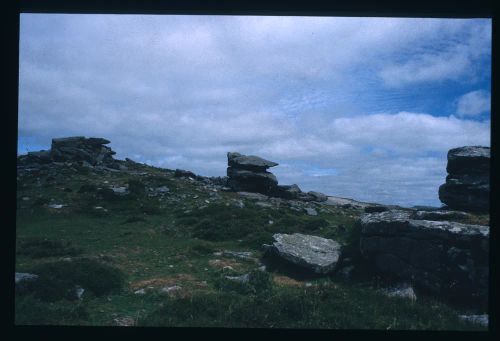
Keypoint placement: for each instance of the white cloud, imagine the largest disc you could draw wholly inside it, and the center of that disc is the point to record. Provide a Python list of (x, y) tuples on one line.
[(181, 91), (474, 103), (448, 59)]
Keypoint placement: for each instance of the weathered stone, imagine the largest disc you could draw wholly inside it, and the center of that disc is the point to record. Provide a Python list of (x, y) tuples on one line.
[(478, 319), (251, 181), (24, 277), (310, 211), (241, 279), (253, 196), (440, 215), (467, 185), (403, 290), (287, 191), (441, 256), (249, 162), (179, 173), (320, 197), (317, 254), (468, 159)]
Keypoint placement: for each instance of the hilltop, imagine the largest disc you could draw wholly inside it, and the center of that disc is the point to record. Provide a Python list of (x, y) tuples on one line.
[(102, 241)]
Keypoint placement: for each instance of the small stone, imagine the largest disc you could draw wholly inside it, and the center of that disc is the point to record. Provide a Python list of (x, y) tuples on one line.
[(478, 319), (56, 206), (79, 292), (24, 276), (140, 292), (310, 211), (170, 290), (242, 279), (404, 290)]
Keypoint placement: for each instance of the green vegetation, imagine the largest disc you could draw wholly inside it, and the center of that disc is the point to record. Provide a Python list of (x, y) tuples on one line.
[(327, 305), (116, 245)]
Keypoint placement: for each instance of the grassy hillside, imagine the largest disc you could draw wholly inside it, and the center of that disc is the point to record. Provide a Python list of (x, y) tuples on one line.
[(155, 257)]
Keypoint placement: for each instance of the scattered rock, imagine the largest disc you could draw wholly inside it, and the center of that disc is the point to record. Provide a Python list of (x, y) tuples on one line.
[(264, 204), (162, 190), (320, 197), (120, 190), (79, 292), (287, 191), (24, 277), (478, 319), (56, 206), (140, 292), (170, 290), (246, 255), (467, 185), (124, 321), (181, 173), (241, 279), (253, 196), (311, 252), (403, 290), (310, 211)]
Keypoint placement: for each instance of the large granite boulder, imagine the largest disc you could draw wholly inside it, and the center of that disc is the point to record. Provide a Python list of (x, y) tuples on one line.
[(447, 258), (249, 173), (316, 254), (467, 185)]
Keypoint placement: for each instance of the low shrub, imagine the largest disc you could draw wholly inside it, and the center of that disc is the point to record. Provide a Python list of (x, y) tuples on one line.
[(59, 279), (39, 248), (31, 311)]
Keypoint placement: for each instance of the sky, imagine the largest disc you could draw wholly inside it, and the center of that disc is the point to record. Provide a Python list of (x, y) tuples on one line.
[(362, 108)]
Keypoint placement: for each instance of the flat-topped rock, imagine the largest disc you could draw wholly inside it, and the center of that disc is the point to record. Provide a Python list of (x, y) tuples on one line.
[(467, 185), (317, 254), (468, 159), (444, 257), (249, 162)]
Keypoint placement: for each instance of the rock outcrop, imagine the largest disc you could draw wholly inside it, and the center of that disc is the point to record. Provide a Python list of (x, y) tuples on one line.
[(86, 151), (467, 185), (443, 257), (316, 254), (249, 173)]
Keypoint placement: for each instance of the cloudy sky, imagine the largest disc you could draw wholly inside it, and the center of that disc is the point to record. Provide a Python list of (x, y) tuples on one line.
[(364, 108)]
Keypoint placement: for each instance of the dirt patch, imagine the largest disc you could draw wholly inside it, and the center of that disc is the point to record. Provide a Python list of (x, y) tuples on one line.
[(220, 263), (178, 279), (124, 321), (284, 280)]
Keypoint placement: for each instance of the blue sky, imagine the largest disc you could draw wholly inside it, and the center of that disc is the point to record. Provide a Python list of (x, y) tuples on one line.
[(364, 108)]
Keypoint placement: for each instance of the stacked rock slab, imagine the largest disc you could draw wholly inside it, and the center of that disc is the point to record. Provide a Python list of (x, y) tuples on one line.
[(443, 257), (467, 185), (249, 173), (88, 151)]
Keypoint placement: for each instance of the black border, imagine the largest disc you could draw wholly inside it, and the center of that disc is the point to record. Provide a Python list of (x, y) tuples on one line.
[(359, 8)]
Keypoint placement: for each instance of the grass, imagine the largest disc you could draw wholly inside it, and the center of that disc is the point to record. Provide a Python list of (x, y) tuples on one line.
[(171, 240), (330, 306)]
